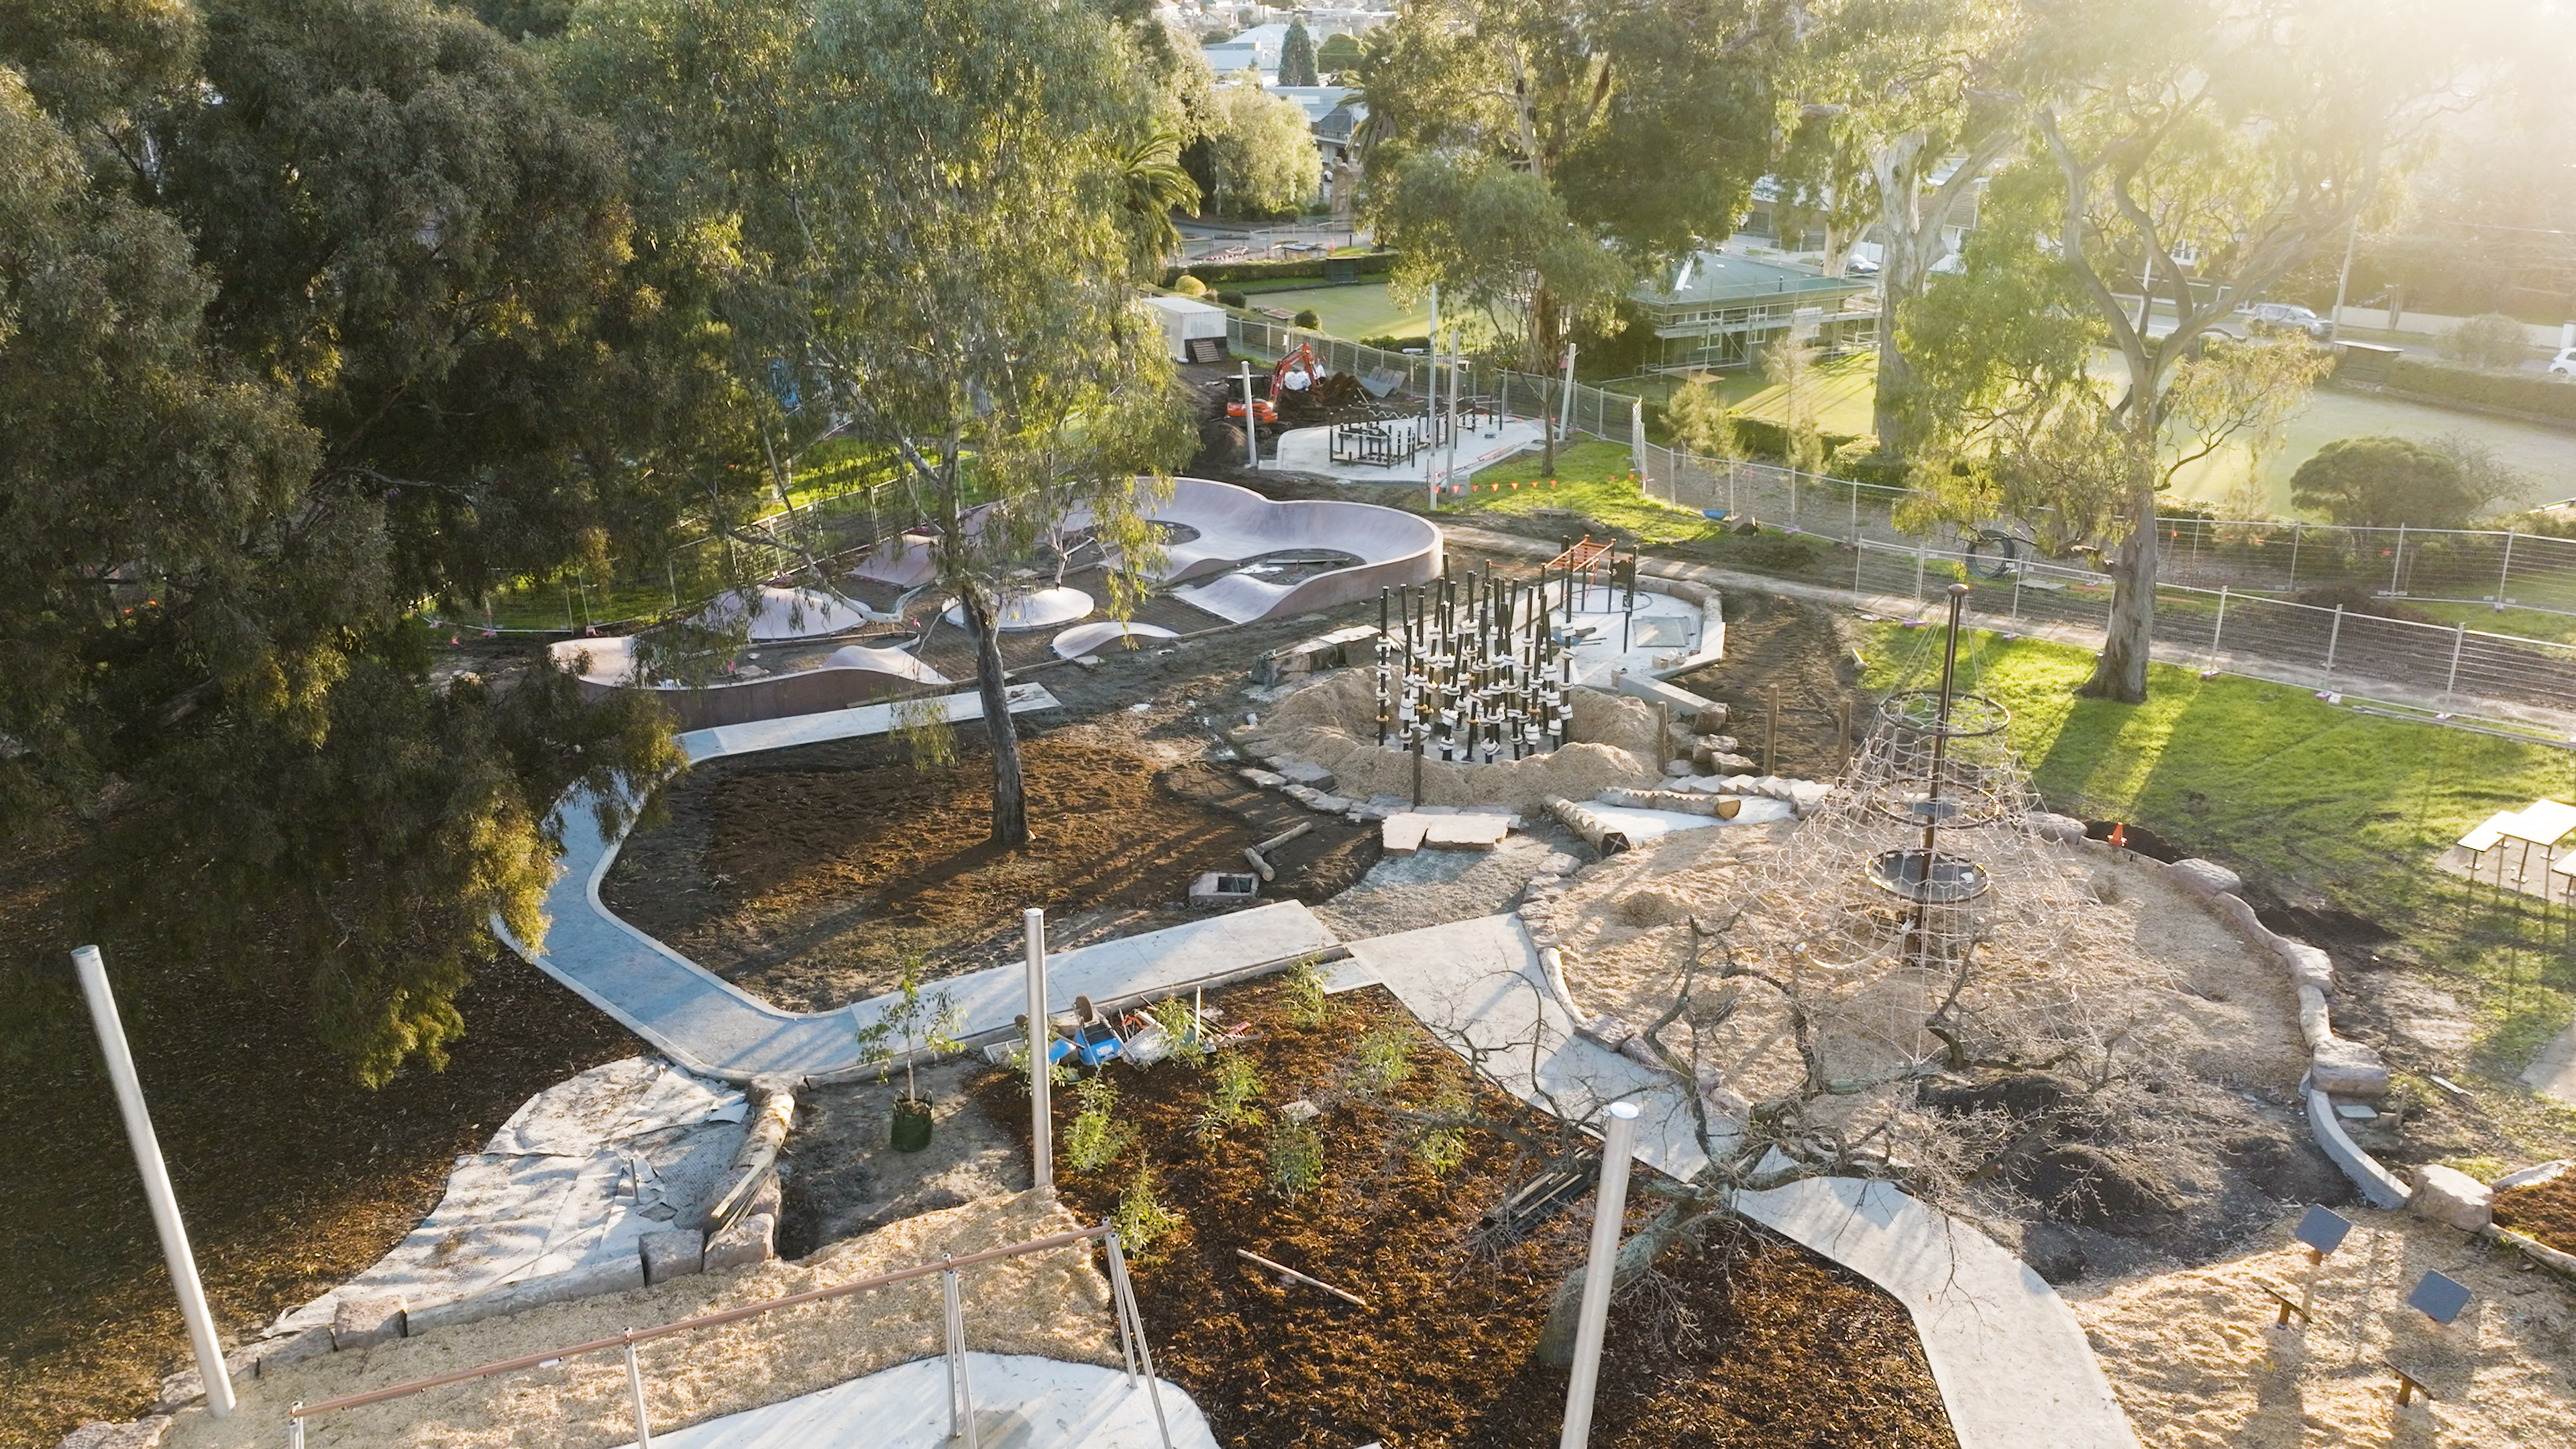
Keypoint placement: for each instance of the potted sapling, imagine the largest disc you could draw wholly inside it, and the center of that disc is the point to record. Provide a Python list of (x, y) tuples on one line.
[(907, 1027)]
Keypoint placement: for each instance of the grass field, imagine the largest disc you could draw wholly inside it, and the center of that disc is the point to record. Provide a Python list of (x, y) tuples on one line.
[(2307, 800), (1592, 479)]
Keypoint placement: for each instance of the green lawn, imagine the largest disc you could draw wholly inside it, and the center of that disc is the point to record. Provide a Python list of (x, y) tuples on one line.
[(2305, 799), (1592, 479)]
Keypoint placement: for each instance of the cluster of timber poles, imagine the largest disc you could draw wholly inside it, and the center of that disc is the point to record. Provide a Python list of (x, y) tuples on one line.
[(1477, 669)]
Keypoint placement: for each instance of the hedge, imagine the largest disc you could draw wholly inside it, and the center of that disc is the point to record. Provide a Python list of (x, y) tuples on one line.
[(1366, 264), (2526, 392)]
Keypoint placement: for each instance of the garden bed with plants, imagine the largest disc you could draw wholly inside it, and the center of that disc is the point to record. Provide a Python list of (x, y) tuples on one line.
[(1740, 1338)]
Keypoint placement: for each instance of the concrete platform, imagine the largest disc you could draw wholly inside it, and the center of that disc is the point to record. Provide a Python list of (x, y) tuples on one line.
[(1021, 1401), (1309, 450), (711, 1026)]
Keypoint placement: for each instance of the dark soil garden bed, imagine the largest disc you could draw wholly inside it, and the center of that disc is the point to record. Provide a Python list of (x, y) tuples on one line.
[(1748, 1340), (1793, 645), (805, 876), (2545, 1211)]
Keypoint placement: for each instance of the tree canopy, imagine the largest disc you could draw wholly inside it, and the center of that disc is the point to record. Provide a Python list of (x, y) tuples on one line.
[(2383, 482), (1297, 57)]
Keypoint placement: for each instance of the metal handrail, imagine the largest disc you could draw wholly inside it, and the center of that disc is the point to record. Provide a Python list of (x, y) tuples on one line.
[(1129, 1322)]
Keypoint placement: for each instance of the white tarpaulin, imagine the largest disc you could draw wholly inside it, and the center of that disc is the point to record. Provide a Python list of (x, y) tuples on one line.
[(576, 1175)]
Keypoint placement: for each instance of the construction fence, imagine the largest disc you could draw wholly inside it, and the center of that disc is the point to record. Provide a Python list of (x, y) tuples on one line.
[(2304, 604)]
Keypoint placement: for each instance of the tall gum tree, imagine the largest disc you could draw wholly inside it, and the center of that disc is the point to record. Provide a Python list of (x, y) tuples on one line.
[(1536, 158), (920, 218), (2247, 134)]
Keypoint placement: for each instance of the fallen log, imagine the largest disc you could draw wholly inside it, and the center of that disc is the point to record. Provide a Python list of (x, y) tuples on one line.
[(1686, 802), (1601, 834), (1284, 836), (1284, 1271)]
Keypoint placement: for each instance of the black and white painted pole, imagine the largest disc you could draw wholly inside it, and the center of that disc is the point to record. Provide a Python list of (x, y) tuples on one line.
[(156, 1182), (1610, 1206), (1041, 1045)]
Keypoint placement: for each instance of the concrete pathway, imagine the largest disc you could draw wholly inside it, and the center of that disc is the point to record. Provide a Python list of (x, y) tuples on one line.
[(2553, 1072), (1021, 1401), (2015, 1369), (709, 1025)]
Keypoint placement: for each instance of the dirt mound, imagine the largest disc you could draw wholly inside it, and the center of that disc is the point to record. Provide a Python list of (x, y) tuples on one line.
[(1333, 723)]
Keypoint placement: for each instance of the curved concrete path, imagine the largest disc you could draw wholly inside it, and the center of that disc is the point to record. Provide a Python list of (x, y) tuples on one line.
[(709, 1025), (1021, 1401), (2014, 1366)]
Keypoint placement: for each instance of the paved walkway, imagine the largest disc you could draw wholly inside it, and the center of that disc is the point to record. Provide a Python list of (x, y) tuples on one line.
[(2015, 1369), (1022, 1402), (709, 1025)]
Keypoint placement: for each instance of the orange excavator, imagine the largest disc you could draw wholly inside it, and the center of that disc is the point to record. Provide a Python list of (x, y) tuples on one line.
[(1297, 373)]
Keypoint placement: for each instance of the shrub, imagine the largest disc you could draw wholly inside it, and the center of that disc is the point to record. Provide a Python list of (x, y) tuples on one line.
[(2493, 340), (1232, 1097), (1309, 318), (1097, 1136), (1440, 1147), (1307, 1001), (2528, 392), (1180, 1027), (1141, 1219), (1296, 1158), (1233, 299), (2381, 482), (1189, 286), (1384, 1059)]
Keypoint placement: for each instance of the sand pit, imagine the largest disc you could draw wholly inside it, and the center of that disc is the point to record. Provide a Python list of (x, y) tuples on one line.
[(2197, 1362), (1333, 723), (1055, 1305)]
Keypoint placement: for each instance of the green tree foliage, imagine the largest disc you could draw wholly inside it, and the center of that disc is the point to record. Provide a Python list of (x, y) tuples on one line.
[(1262, 159), (917, 214), (1297, 57), (2382, 482), (2242, 136), (1154, 186), (1594, 146), (1700, 419), (1340, 54), (2491, 340), (244, 417)]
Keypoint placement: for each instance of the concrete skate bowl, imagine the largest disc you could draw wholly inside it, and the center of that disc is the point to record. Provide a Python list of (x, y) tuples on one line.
[(1332, 552), (852, 674)]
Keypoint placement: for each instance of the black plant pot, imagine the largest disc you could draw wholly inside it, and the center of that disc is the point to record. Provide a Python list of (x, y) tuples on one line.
[(911, 1125)]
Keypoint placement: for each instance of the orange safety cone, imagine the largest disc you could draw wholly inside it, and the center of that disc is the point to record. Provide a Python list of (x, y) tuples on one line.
[(2119, 837)]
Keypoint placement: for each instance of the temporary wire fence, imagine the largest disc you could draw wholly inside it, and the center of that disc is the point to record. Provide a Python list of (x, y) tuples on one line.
[(1132, 1347)]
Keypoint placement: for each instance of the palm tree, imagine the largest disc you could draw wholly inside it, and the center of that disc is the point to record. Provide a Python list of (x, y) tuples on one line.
[(1155, 185)]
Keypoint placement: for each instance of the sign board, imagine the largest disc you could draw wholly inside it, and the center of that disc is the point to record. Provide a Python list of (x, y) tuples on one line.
[(2323, 1229), (2439, 1298)]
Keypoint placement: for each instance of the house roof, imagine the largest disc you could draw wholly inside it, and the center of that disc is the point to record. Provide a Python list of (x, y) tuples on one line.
[(1722, 278)]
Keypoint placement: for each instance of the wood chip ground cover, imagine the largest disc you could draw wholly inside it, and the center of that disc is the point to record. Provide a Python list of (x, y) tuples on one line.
[(1787, 1349), (2544, 1210)]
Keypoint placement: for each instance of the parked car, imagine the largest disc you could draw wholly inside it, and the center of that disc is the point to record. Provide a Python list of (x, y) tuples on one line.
[(2287, 317), (2563, 366)]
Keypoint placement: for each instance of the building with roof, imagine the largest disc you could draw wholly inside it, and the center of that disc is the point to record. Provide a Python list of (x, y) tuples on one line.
[(1720, 309)]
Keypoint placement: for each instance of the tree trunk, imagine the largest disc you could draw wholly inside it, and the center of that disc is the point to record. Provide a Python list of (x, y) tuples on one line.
[(1565, 1311), (2120, 671), (1895, 374), (1010, 792)]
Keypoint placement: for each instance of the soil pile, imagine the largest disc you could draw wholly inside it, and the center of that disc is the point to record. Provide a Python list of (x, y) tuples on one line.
[(1052, 1304), (1333, 723), (2196, 1360), (1750, 1341)]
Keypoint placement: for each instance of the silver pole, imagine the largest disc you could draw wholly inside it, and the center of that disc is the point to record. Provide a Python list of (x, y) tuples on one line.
[(295, 1426), (1041, 1047), (1123, 1289), (2397, 561), (2459, 637), (961, 1386), (156, 1181), (2334, 637), (1431, 404), (1565, 432), (1251, 424), (2218, 630), (1610, 1207), (2504, 579), (635, 1390)]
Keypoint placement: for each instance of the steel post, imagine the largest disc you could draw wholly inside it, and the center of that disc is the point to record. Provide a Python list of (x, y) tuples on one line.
[(1601, 1268), (1041, 1046)]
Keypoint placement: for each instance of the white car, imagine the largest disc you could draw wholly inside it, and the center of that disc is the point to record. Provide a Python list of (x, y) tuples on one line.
[(2287, 317), (2563, 366)]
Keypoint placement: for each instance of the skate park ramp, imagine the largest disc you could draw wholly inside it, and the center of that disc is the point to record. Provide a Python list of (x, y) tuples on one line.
[(780, 614), (1236, 526)]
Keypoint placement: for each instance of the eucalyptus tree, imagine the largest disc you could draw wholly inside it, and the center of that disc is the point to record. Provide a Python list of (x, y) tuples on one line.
[(275, 360), (1911, 105), (1536, 158), (2242, 135), (915, 212)]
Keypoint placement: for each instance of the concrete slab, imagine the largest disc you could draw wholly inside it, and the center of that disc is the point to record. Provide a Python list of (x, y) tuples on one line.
[(1466, 832), (1021, 1402), (1309, 450), (1400, 835), (714, 1027), (2553, 1071), (2013, 1364)]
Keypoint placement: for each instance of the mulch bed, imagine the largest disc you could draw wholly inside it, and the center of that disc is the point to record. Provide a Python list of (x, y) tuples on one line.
[(805, 875), (1750, 1340), (2545, 1211), (290, 1176)]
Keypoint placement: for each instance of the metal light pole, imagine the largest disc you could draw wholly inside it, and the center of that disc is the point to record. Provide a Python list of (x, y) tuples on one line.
[(1618, 1142), (156, 1182), (1041, 1045), (1251, 424)]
